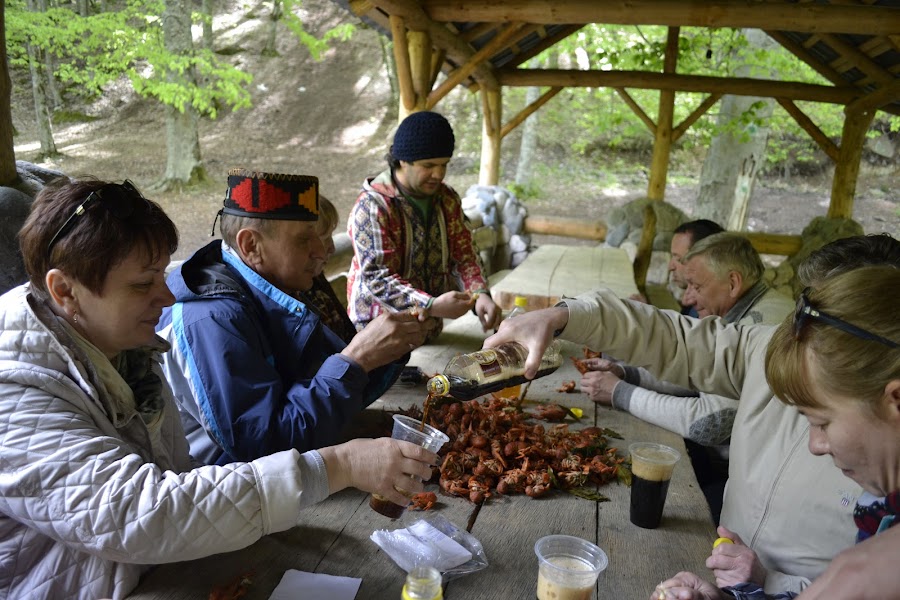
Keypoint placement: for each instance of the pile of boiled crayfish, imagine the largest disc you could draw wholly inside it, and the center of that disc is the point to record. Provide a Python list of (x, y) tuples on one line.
[(496, 448)]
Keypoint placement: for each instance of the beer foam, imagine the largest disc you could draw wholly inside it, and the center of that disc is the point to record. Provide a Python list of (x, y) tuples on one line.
[(653, 465)]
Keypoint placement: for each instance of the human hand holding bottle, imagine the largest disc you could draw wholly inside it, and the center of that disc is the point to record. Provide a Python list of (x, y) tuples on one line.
[(534, 330)]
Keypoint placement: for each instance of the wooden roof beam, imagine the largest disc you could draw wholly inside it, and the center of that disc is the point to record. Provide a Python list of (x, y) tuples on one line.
[(786, 16), (805, 123), (457, 50), (547, 42), (636, 109), (877, 99), (858, 59), (698, 112), (456, 77), (739, 86), (806, 56), (528, 110)]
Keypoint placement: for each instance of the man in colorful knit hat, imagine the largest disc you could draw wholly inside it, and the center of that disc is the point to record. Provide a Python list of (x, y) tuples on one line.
[(410, 242), (253, 369)]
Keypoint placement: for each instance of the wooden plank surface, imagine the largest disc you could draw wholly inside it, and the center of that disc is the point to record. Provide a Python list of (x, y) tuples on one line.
[(333, 536), (552, 272)]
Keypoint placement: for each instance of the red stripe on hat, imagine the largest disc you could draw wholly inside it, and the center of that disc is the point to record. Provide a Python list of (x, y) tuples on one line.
[(269, 197), (272, 197)]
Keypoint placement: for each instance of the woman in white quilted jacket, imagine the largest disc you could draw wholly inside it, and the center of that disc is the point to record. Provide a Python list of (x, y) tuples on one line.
[(95, 478)]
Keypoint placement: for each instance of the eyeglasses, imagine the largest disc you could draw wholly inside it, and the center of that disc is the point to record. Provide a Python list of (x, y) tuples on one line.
[(806, 311), (121, 200)]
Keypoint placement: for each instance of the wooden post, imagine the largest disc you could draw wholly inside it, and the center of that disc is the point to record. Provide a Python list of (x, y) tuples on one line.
[(491, 104), (420, 65), (404, 73), (662, 144), (645, 249), (846, 171)]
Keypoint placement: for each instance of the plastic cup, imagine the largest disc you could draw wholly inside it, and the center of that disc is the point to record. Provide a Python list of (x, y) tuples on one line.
[(651, 471), (408, 430), (568, 567)]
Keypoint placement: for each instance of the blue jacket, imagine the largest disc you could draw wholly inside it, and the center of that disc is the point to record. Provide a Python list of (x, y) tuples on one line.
[(254, 371)]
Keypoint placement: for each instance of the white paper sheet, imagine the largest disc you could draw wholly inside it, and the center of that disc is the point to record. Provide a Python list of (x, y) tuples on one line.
[(315, 586)]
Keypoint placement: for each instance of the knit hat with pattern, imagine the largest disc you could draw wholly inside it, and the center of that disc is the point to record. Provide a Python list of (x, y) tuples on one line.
[(272, 196), (423, 135)]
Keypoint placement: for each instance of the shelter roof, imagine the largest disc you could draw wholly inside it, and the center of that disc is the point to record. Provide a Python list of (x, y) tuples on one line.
[(854, 44)]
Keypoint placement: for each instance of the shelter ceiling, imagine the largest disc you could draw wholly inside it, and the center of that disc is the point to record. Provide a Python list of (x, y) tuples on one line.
[(854, 44)]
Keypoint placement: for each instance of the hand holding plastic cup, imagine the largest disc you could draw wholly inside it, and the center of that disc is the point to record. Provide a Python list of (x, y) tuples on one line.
[(408, 430), (568, 567), (651, 471)]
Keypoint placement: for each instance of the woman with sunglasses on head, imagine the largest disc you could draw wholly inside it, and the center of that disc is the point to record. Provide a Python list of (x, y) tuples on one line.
[(96, 483), (838, 361)]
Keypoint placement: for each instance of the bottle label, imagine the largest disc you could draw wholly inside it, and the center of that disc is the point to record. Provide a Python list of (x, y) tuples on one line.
[(487, 360)]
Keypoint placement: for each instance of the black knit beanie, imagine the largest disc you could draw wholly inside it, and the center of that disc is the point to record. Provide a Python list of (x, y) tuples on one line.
[(423, 135)]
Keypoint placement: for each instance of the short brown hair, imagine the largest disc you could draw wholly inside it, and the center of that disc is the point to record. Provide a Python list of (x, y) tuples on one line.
[(845, 364), (726, 252), (328, 216), (97, 240)]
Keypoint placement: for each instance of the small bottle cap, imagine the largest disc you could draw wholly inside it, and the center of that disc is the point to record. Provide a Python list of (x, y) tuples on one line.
[(521, 302), (438, 385), (722, 540)]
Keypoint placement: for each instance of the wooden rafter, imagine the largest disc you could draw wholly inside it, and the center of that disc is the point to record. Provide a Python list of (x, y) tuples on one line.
[(698, 112), (858, 59), (739, 86), (548, 42), (829, 147), (476, 60), (636, 109), (806, 56), (786, 16), (528, 110), (876, 99), (457, 50)]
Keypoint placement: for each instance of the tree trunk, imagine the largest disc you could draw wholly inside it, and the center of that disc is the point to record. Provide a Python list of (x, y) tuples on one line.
[(735, 155), (270, 48), (183, 163), (529, 135), (53, 95), (39, 93), (8, 173), (208, 7), (84, 8)]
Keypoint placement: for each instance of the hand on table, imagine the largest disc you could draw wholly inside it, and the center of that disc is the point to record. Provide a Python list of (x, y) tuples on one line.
[(687, 586), (488, 313), (601, 380), (386, 338), (384, 466), (735, 563)]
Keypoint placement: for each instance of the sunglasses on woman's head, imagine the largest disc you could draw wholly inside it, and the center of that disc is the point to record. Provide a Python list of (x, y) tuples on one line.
[(120, 199), (805, 311)]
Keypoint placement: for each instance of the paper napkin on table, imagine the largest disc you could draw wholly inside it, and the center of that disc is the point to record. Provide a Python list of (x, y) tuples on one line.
[(315, 586)]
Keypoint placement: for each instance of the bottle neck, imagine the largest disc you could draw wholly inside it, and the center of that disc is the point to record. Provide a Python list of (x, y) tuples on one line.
[(423, 583)]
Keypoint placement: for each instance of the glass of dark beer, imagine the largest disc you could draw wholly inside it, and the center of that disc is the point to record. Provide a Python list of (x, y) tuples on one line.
[(651, 471)]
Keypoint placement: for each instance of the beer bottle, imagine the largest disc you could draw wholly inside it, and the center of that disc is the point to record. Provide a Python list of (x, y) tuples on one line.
[(423, 583), (521, 306), (474, 374)]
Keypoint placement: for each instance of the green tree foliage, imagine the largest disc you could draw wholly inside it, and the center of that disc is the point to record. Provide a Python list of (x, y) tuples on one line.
[(100, 48), (128, 40), (588, 119)]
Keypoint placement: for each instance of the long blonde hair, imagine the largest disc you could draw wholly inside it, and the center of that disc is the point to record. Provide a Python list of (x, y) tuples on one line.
[(845, 364)]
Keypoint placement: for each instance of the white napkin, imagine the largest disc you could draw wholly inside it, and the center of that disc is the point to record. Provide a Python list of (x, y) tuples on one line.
[(315, 586)]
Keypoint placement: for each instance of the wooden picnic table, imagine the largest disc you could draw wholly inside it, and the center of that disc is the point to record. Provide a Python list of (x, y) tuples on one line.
[(555, 271), (333, 536)]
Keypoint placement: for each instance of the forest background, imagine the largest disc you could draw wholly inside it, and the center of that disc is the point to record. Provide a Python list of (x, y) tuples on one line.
[(308, 88)]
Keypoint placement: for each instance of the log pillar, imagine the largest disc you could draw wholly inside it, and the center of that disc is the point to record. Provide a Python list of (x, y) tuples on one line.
[(491, 105), (846, 170), (420, 66), (662, 143)]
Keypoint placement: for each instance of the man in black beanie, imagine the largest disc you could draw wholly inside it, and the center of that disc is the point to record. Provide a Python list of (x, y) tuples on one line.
[(410, 242)]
